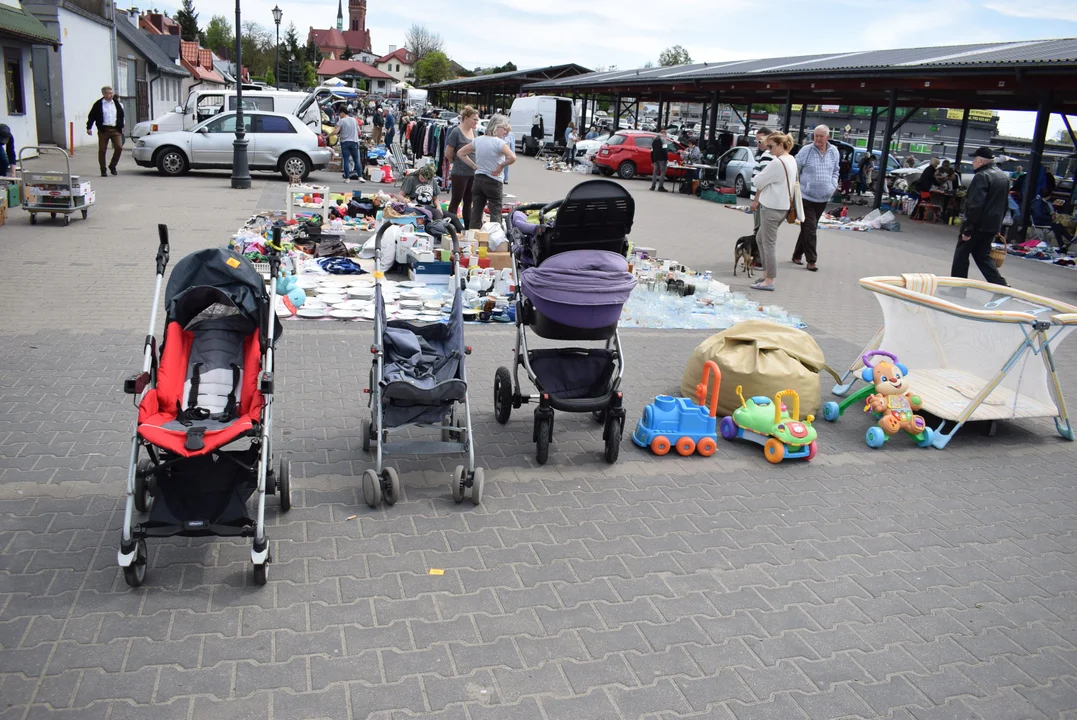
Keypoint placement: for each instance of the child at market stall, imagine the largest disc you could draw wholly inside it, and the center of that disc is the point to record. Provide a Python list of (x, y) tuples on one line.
[(421, 188)]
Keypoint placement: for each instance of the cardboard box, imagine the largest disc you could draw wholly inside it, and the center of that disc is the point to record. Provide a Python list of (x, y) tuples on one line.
[(430, 272), (500, 260), (3, 211), (482, 237)]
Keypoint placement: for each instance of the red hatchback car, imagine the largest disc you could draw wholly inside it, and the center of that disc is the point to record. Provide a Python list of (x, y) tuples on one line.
[(628, 153)]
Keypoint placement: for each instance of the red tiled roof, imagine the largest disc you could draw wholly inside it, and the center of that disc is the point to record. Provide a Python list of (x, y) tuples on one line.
[(330, 38), (158, 24), (402, 54), (357, 39), (199, 62), (338, 67)]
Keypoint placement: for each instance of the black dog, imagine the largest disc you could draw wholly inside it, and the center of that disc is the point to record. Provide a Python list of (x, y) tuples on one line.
[(745, 254)]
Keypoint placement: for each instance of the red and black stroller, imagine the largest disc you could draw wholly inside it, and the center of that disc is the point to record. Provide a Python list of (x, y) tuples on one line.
[(211, 388)]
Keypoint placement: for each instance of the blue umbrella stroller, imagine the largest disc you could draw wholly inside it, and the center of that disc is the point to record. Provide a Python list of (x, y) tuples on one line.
[(418, 380), (573, 280)]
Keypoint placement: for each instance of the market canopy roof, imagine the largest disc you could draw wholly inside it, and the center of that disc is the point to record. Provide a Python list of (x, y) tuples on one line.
[(510, 81), (1005, 76)]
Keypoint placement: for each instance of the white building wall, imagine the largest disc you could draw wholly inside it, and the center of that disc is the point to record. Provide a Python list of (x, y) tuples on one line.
[(24, 126), (166, 96), (87, 62)]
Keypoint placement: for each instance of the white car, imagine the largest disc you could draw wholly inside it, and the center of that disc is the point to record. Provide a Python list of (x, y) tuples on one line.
[(586, 149), (276, 142)]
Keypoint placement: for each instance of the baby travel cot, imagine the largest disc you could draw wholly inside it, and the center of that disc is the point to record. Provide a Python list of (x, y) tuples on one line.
[(573, 281), (210, 388), (418, 379)]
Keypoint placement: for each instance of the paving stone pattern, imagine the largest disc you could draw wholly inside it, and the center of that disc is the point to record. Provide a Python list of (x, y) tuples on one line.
[(897, 583)]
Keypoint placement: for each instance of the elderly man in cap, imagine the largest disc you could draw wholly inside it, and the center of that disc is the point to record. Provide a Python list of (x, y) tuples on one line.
[(985, 206)]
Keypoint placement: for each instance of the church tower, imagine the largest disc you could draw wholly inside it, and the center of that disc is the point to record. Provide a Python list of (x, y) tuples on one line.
[(357, 21), (340, 14)]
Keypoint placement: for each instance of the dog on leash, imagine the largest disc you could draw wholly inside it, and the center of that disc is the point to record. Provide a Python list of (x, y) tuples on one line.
[(745, 254)]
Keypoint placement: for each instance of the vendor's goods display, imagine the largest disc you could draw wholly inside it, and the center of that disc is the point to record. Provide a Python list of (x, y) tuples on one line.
[(888, 398), (56, 192), (211, 388), (980, 351)]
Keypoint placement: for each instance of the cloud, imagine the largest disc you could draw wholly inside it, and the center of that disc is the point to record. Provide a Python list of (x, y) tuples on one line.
[(1044, 10)]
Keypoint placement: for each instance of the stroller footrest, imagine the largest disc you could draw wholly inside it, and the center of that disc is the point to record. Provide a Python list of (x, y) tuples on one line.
[(423, 447)]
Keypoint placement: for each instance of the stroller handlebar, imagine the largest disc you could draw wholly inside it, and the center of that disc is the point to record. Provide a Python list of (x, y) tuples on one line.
[(162, 249)]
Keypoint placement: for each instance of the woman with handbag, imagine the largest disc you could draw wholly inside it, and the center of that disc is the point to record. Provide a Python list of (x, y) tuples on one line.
[(775, 185)]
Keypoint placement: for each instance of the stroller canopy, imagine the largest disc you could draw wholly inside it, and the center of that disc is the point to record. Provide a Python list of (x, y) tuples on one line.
[(220, 288), (580, 277)]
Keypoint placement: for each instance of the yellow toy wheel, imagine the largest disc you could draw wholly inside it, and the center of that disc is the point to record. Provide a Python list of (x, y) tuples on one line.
[(774, 449)]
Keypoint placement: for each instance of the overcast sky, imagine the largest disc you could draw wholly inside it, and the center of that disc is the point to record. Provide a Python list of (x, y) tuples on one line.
[(629, 33)]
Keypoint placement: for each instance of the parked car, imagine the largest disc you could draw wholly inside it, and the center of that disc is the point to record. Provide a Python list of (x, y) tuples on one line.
[(911, 175), (735, 169), (587, 149), (628, 153), (277, 142)]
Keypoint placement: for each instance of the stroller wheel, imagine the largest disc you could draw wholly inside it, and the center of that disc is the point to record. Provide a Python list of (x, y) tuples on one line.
[(614, 430), (371, 488), (364, 429), (599, 416), (502, 395), (390, 486), (284, 485), (476, 486), (543, 435), (143, 496), (135, 573), (458, 480), (261, 574)]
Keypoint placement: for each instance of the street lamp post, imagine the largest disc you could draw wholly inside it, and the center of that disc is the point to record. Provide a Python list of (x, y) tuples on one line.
[(241, 174), (277, 14)]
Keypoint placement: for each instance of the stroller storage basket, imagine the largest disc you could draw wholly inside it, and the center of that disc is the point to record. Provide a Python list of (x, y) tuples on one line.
[(573, 373), (205, 495)]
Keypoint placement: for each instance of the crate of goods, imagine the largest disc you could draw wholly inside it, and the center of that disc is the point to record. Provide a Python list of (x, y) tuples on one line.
[(725, 198)]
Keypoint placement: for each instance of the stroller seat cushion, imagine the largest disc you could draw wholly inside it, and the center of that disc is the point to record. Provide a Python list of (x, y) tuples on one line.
[(166, 415)]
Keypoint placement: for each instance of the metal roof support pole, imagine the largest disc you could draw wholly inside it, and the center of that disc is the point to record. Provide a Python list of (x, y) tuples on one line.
[(961, 144), (1073, 137), (635, 122), (880, 180), (583, 114), (747, 118), (803, 122), (660, 123), (788, 117), (617, 113), (1032, 180), (714, 115), (872, 128)]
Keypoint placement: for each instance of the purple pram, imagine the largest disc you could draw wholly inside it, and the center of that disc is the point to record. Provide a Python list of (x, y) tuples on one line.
[(574, 280)]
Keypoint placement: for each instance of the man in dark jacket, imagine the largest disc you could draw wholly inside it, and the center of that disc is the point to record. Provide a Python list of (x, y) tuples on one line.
[(107, 113), (659, 159), (985, 206)]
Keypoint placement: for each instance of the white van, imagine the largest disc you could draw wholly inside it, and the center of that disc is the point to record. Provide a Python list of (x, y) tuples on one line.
[(556, 113), (204, 104)]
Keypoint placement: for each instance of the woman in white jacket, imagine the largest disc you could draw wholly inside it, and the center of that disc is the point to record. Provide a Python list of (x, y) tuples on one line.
[(774, 197)]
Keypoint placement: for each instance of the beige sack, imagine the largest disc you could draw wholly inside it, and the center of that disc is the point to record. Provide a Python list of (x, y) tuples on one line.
[(764, 358)]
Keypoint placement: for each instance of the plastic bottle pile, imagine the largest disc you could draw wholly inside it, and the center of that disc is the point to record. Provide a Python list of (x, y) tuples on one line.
[(671, 296)]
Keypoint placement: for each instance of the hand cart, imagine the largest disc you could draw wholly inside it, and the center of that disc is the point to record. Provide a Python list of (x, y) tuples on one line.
[(54, 192)]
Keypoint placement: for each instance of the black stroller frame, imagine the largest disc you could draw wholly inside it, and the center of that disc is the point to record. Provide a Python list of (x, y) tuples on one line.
[(591, 207), (252, 465), (435, 407)]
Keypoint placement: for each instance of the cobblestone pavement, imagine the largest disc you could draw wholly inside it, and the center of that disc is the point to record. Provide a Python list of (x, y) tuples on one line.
[(898, 583)]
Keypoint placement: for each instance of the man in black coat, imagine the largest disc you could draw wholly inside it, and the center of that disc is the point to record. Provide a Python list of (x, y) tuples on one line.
[(107, 113), (985, 206), (659, 160)]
